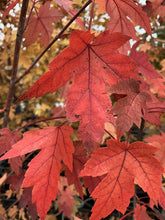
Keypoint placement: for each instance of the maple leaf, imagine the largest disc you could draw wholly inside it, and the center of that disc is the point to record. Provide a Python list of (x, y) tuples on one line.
[(144, 66), (124, 14), (7, 139), (159, 142), (15, 181), (65, 4), (157, 86), (158, 8), (154, 110), (65, 198), (42, 24), (79, 159), (140, 213), (26, 200), (90, 63), (133, 105), (123, 165), (44, 170), (92, 182)]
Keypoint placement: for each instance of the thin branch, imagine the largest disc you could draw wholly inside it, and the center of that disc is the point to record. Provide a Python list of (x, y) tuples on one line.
[(15, 61), (37, 121), (54, 40), (30, 13)]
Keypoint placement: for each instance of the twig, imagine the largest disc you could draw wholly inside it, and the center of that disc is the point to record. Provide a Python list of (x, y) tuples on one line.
[(109, 134), (30, 13), (37, 121), (54, 40), (15, 61)]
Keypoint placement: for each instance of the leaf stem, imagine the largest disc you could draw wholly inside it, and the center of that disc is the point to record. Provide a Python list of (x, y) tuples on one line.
[(54, 40), (91, 16), (109, 134), (129, 213), (15, 61)]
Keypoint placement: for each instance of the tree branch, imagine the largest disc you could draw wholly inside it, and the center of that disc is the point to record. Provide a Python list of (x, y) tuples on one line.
[(54, 40), (15, 61)]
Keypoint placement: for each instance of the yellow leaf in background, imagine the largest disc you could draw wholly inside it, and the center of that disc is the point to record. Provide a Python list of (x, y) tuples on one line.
[(145, 47), (44, 107), (3, 179), (162, 63), (2, 210), (22, 214), (13, 36), (8, 193), (50, 217), (24, 60), (77, 218), (13, 212), (12, 113), (78, 2)]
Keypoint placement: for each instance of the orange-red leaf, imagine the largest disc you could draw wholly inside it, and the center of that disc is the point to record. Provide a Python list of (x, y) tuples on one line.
[(123, 165), (124, 15), (42, 24), (159, 142), (79, 159), (144, 66), (44, 170), (133, 105), (65, 4), (65, 198), (140, 213), (7, 139), (90, 63)]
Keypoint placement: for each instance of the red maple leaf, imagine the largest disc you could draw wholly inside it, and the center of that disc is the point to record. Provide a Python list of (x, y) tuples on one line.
[(140, 213), (7, 139), (79, 159), (26, 200), (123, 165), (91, 182), (42, 25), (157, 7), (124, 15), (154, 111), (15, 181), (144, 66), (44, 170), (159, 142), (65, 198), (157, 86), (133, 105), (90, 63), (65, 4)]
